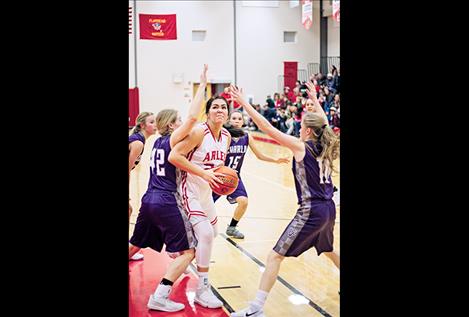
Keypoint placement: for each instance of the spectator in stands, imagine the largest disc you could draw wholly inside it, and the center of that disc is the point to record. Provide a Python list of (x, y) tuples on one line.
[(270, 102), (226, 94), (289, 94), (269, 111), (316, 85), (334, 120), (336, 102), (328, 95), (279, 120), (324, 104), (296, 92), (330, 83), (335, 73), (251, 124), (292, 111), (297, 101), (290, 124), (277, 99), (320, 78), (231, 103), (297, 85)]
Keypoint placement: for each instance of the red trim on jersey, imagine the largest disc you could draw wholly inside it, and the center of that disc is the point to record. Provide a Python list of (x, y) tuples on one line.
[(183, 183), (214, 221), (197, 213), (265, 140), (184, 193), (212, 133)]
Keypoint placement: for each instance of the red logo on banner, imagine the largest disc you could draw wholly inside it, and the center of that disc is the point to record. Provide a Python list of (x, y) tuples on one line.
[(158, 27)]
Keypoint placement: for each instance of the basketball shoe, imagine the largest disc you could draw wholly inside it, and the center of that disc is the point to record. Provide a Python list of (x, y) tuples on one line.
[(163, 303), (249, 312), (205, 297), (234, 232)]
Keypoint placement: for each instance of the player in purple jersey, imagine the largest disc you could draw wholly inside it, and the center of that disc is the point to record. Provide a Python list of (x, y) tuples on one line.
[(313, 162), (162, 219), (234, 159), (144, 128)]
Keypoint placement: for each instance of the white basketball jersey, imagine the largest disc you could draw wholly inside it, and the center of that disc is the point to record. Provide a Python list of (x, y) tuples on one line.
[(195, 191), (212, 152)]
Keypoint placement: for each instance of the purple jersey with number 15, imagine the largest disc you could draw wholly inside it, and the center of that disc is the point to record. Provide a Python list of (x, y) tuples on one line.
[(236, 152)]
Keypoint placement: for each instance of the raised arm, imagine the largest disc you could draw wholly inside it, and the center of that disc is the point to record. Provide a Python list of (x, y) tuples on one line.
[(311, 91), (294, 144), (181, 132), (261, 156), (178, 157)]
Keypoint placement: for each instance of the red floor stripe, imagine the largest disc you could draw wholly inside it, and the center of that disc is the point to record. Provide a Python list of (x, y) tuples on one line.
[(258, 138), (143, 279)]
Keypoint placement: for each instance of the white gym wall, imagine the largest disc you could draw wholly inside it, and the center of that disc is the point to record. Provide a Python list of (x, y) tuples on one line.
[(260, 49)]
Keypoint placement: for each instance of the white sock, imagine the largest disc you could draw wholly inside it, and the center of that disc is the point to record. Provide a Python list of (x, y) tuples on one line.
[(259, 301), (162, 290), (203, 279)]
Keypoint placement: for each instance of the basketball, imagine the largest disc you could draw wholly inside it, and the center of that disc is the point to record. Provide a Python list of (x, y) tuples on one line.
[(230, 181)]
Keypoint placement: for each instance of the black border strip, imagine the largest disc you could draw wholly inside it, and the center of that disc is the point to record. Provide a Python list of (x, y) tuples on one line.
[(229, 287), (280, 279), (225, 303)]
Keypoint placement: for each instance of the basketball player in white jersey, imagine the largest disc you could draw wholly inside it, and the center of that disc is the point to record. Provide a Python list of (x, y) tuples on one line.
[(204, 148)]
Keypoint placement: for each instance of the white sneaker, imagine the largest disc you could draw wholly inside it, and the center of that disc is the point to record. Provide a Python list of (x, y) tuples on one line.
[(205, 297), (137, 257), (247, 312), (164, 304)]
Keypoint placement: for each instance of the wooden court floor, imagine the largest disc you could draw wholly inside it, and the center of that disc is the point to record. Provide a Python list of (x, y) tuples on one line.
[(307, 285)]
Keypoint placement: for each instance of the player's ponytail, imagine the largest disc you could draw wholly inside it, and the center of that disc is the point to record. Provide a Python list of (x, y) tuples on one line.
[(325, 136)]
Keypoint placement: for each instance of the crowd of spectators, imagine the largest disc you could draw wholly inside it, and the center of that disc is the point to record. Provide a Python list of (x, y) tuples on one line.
[(286, 109)]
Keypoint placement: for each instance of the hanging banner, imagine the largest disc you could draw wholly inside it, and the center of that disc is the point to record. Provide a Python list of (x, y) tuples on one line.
[(336, 10), (307, 13), (158, 26)]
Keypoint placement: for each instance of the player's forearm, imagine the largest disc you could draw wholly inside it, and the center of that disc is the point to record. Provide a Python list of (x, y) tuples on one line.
[(181, 162), (258, 119), (265, 158), (196, 103)]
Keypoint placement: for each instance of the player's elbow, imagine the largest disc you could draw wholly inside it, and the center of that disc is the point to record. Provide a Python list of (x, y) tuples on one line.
[(173, 157)]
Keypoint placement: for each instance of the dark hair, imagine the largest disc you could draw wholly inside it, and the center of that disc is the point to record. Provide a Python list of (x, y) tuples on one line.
[(215, 97), (234, 132)]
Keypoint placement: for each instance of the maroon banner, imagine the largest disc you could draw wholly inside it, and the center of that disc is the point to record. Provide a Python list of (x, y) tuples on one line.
[(134, 107), (290, 73), (158, 26)]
